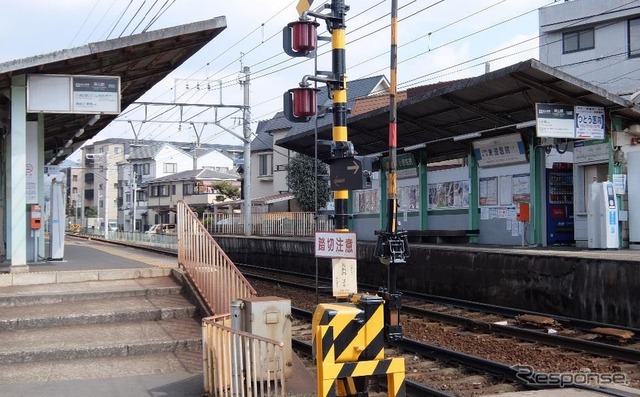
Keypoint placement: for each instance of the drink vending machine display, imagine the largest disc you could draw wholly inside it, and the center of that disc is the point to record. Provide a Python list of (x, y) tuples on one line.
[(560, 224)]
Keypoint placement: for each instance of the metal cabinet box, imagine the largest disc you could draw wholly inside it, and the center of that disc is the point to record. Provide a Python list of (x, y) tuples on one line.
[(270, 317)]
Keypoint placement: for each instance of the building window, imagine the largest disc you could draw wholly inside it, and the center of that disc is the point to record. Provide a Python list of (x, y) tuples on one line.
[(141, 195), (266, 165), (75, 178), (578, 40), (634, 38), (116, 150), (170, 168), (141, 169), (173, 190), (187, 189)]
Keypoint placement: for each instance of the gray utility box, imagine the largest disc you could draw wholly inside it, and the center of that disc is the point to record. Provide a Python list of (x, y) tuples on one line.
[(270, 317)]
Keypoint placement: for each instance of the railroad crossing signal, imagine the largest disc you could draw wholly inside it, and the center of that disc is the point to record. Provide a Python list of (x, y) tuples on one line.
[(303, 5), (350, 173)]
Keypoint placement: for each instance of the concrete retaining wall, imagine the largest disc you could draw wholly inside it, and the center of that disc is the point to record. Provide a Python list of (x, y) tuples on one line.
[(603, 290)]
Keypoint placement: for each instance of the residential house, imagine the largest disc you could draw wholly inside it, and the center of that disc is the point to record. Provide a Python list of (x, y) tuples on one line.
[(595, 40), (269, 162), (214, 159), (197, 188), (145, 163)]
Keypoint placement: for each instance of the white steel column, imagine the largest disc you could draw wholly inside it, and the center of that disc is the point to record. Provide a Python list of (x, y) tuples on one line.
[(40, 241), (18, 165)]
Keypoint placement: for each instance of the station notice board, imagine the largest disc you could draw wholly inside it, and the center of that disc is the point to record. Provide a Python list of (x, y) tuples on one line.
[(341, 248)]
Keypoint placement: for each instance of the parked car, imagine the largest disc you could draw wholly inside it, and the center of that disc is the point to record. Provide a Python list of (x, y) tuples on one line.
[(162, 228), (229, 225)]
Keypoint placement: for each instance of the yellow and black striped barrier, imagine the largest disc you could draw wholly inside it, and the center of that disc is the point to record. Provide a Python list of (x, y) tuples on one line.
[(349, 343)]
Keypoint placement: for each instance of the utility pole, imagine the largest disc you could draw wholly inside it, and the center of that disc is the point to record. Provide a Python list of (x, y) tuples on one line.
[(135, 201), (106, 200), (246, 129)]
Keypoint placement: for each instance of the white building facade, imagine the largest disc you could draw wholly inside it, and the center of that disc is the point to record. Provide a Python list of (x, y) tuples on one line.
[(597, 41)]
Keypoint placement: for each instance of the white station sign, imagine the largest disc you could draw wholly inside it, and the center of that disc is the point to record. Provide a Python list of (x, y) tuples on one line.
[(79, 94)]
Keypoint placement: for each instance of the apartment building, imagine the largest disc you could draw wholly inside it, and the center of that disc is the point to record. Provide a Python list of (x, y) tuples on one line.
[(597, 41)]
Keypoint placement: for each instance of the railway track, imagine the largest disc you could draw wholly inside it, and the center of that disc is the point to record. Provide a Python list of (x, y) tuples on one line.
[(436, 371), (478, 337), (563, 332)]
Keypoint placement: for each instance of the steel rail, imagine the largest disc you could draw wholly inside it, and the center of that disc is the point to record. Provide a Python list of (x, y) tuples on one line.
[(584, 325), (587, 346), (496, 369)]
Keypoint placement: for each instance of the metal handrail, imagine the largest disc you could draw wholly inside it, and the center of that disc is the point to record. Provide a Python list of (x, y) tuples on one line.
[(215, 276), (241, 364)]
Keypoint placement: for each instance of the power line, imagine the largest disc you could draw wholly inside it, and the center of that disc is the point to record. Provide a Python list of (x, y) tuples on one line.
[(120, 18)]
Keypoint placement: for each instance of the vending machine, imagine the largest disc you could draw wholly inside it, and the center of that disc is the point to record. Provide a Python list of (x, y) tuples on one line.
[(560, 206)]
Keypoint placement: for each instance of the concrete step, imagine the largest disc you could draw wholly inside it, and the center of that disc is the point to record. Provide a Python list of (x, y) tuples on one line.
[(50, 373), (39, 294), (100, 340), (95, 311)]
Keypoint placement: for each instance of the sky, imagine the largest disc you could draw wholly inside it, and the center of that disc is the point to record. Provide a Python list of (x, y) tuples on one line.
[(438, 40)]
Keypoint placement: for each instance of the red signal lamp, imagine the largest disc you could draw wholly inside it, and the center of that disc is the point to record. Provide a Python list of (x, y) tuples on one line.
[(300, 38), (300, 104)]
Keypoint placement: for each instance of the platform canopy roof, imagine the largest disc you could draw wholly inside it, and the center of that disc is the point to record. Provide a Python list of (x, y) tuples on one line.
[(492, 104), (141, 61)]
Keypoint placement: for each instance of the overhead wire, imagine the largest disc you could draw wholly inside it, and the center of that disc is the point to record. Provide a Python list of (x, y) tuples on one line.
[(368, 9), (165, 7), (144, 16), (120, 18), (133, 17), (259, 76), (84, 22)]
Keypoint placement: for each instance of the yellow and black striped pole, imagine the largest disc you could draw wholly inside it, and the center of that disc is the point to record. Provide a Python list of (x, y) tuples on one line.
[(395, 242), (337, 27), (392, 195)]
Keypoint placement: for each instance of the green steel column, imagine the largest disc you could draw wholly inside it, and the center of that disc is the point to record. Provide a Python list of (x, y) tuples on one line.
[(616, 123), (535, 181), (423, 185), (474, 201)]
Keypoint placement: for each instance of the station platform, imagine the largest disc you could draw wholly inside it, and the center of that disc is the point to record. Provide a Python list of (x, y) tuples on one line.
[(591, 284), (92, 259)]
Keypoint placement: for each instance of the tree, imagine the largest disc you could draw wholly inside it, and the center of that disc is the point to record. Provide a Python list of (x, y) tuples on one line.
[(302, 181), (225, 190)]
